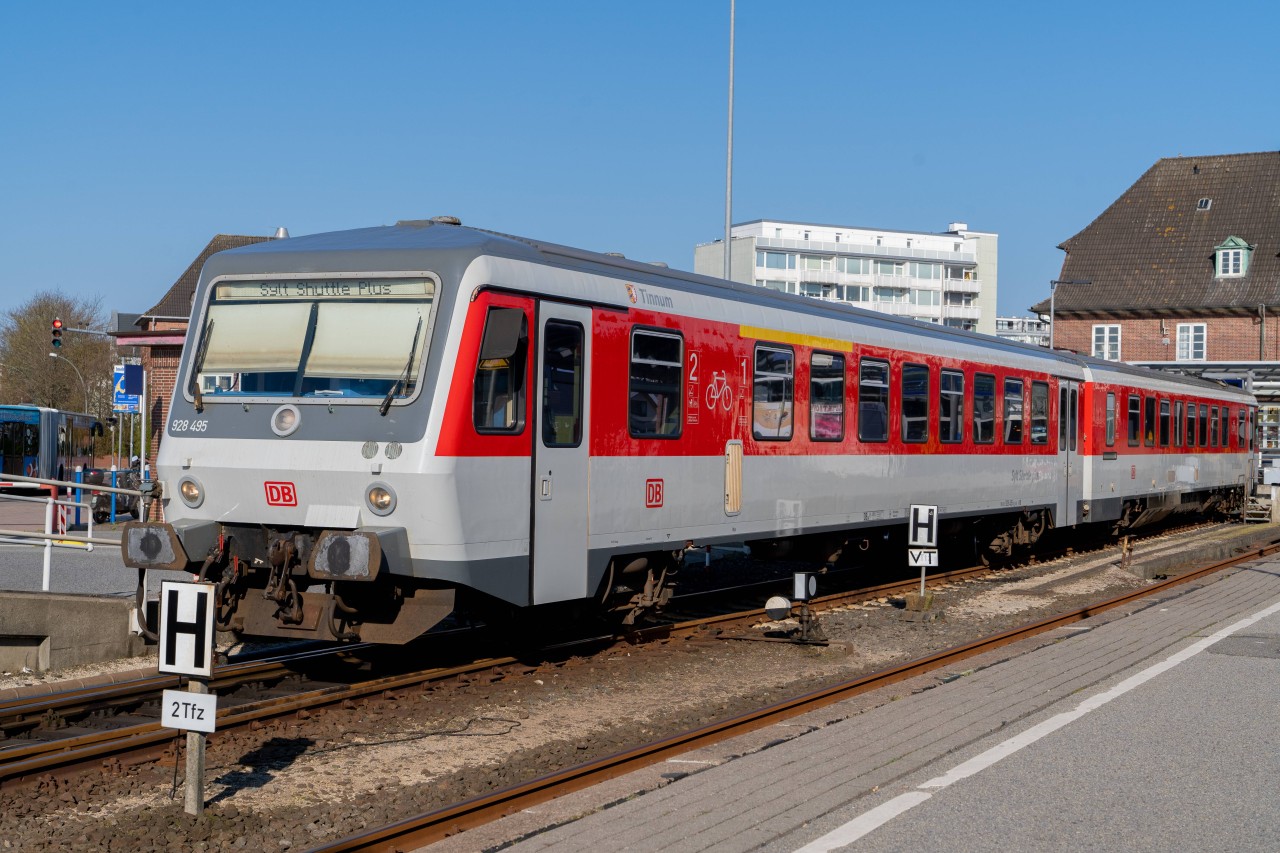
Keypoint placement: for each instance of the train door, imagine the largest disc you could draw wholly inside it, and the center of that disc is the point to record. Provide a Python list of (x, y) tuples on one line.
[(561, 454), (1069, 422)]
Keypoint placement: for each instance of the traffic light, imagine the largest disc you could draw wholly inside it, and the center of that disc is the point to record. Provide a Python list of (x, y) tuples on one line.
[(55, 329)]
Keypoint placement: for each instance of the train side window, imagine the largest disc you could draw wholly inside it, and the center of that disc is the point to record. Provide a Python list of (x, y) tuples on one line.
[(873, 400), (1213, 426), (1241, 431), (1135, 420), (1149, 421), (951, 407), (1204, 425), (915, 403), (562, 381), (1177, 423), (1164, 423), (771, 414), (655, 392), (1075, 416), (1191, 425), (497, 403), (826, 396), (1039, 412), (1013, 411), (1111, 419), (984, 408), (1062, 417), (1225, 432)]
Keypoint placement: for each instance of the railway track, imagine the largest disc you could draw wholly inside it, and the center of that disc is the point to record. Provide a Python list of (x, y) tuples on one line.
[(116, 725)]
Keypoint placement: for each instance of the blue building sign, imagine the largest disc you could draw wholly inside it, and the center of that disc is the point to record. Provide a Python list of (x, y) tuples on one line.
[(122, 402)]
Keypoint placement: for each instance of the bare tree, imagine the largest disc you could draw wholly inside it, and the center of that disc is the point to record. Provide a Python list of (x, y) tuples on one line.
[(31, 376)]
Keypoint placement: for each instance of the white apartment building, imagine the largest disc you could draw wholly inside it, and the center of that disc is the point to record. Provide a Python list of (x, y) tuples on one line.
[(1025, 330), (947, 277)]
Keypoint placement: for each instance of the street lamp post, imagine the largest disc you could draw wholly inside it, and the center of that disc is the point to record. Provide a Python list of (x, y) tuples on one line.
[(83, 386)]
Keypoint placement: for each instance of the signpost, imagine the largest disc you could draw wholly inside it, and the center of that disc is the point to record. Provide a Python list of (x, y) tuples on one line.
[(186, 648), (922, 539)]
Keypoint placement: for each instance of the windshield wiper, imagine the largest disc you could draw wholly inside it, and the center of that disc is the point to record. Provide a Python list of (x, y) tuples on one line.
[(197, 365), (404, 376)]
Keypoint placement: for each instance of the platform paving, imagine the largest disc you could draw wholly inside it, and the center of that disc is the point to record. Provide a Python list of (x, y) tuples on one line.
[(1085, 769)]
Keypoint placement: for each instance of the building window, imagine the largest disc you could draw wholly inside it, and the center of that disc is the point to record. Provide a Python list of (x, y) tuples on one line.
[(1106, 342), (890, 268), (854, 266), (925, 297), (1232, 258), (816, 262), (1204, 204), (930, 271), (1191, 341), (776, 260)]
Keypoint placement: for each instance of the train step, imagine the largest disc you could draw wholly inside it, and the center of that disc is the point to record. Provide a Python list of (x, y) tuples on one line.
[(1257, 512)]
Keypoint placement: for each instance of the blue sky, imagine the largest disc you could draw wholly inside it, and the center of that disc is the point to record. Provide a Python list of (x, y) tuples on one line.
[(131, 133)]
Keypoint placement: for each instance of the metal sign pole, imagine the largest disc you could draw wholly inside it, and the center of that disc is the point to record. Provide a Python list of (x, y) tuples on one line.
[(194, 804)]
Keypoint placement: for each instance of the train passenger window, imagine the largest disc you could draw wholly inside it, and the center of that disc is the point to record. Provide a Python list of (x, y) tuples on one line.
[(497, 402), (873, 400), (1075, 416), (1213, 426), (915, 403), (771, 413), (562, 381), (984, 408), (1226, 429), (1111, 419), (1191, 425), (826, 396), (655, 392), (1039, 412), (1164, 423), (1062, 417), (951, 407), (1135, 420), (1204, 425), (1241, 432), (1177, 423), (1013, 411), (1149, 421)]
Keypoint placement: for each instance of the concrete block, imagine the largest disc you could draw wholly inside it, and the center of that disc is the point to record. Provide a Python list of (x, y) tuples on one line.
[(42, 630)]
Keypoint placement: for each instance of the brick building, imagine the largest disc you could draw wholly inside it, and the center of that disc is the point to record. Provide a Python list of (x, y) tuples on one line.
[(1182, 272), (160, 331)]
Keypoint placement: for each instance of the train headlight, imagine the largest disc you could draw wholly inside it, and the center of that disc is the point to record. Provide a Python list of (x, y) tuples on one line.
[(381, 499), (285, 420), (191, 492)]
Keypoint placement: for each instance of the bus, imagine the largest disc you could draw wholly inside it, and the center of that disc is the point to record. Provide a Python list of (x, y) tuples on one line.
[(40, 442)]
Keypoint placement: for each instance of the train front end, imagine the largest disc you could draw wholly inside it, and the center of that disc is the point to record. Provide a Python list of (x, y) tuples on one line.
[(298, 433)]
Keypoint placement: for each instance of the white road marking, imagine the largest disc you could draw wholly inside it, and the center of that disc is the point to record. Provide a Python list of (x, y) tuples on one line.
[(887, 811)]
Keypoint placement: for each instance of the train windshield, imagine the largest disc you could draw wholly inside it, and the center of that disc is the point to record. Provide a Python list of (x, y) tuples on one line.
[(331, 339)]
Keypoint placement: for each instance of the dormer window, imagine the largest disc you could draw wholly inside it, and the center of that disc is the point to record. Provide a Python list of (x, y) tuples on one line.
[(1231, 258), (1204, 204)]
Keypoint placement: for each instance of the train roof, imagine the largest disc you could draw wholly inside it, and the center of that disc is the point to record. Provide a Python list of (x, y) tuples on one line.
[(401, 246)]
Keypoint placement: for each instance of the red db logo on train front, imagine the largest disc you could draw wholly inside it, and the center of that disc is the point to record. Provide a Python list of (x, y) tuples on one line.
[(652, 493), (281, 494)]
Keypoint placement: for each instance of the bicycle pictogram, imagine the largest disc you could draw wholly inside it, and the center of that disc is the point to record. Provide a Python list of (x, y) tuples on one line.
[(719, 391)]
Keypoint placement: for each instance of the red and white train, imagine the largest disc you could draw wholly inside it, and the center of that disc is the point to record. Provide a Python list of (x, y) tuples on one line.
[(369, 425)]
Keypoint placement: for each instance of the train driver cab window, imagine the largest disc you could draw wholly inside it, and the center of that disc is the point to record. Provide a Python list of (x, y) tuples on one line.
[(1013, 411), (1111, 419), (655, 392), (1039, 412), (984, 408), (826, 397), (1164, 423), (1204, 425), (1149, 421), (774, 393), (562, 383), (915, 403), (951, 407), (1213, 426), (873, 400), (497, 404)]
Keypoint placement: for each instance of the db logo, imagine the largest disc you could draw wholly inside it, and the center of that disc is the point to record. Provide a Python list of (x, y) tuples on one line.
[(281, 494), (652, 493)]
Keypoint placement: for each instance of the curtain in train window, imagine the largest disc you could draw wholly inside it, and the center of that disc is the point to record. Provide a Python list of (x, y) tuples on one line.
[(773, 399), (562, 379), (915, 403), (984, 408), (1111, 419), (497, 403), (1164, 423), (873, 400), (1039, 412), (1013, 411), (826, 397), (655, 392), (951, 407)]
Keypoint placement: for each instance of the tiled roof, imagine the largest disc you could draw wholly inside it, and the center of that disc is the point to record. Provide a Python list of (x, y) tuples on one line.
[(177, 301), (1152, 249)]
